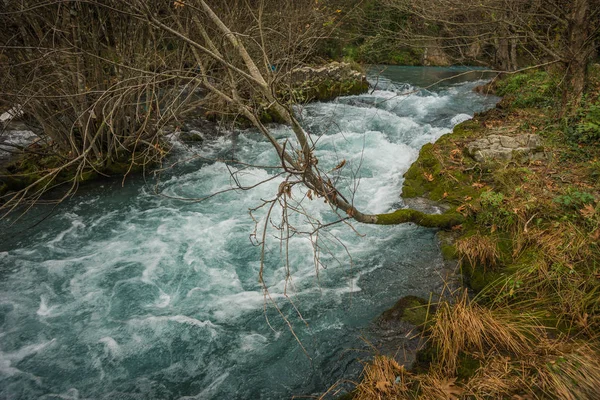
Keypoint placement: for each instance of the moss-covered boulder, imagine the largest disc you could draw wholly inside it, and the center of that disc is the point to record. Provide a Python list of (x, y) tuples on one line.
[(411, 309), (322, 83)]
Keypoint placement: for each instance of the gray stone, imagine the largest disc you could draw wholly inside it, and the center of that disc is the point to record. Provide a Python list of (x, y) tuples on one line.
[(525, 147), (426, 205)]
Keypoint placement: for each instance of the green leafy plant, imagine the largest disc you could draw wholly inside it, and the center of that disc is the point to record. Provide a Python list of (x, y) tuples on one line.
[(585, 126), (574, 199), (493, 211), (529, 90)]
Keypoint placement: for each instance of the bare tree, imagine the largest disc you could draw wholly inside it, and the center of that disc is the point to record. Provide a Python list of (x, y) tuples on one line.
[(542, 31)]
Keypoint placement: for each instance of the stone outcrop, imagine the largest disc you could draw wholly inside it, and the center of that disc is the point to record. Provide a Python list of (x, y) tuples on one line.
[(526, 147), (434, 55), (323, 83)]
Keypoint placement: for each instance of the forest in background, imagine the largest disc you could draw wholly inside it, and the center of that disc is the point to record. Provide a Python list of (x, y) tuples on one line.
[(100, 82)]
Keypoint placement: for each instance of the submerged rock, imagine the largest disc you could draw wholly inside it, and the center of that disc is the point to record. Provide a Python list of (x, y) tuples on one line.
[(526, 147), (396, 329)]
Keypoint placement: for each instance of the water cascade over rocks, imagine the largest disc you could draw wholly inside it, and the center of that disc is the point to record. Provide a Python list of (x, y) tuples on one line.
[(123, 294)]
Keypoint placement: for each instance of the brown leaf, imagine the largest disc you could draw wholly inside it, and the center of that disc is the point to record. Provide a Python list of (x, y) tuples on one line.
[(340, 165), (452, 391), (427, 176), (285, 188), (588, 211), (309, 194), (456, 154), (468, 198), (382, 385), (478, 185), (445, 195)]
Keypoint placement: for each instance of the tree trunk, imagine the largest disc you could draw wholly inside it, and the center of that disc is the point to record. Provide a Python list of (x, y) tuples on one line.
[(579, 48)]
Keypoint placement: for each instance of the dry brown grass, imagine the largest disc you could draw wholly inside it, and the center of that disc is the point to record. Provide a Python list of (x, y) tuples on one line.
[(517, 361), (478, 250), (383, 378), (567, 244), (464, 326), (555, 271), (553, 370), (571, 372)]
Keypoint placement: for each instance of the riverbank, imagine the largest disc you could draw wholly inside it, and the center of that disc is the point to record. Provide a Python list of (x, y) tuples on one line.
[(37, 165), (525, 322)]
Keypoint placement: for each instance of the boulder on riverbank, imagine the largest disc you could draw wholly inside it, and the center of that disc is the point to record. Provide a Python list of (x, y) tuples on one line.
[(525, 147)]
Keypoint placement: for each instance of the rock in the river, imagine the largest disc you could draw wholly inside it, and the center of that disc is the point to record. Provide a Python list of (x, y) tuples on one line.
[(323, 83), (526, 147)]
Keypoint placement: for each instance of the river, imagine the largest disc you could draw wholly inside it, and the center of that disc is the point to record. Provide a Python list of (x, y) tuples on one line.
[(122, 294)]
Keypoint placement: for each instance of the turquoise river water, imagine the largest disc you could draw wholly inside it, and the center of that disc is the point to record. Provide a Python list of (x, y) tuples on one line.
[(122, 294)]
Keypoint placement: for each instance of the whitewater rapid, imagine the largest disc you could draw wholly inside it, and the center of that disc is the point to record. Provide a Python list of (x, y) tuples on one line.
[(123, 293)]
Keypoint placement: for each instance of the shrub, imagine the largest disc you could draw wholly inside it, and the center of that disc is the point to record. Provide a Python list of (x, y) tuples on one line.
[(536, 89)]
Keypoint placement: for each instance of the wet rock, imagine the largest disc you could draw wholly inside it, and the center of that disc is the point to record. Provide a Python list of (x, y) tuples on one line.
[(526, 147), (397, 329), (323, 83), (410, 309), (192, 136), (426, 205)]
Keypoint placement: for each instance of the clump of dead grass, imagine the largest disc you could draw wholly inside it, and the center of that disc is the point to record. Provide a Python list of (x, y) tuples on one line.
[(478, 250), (517, 360), (384, 378), (553, 370), (465, 326), (554, 270)]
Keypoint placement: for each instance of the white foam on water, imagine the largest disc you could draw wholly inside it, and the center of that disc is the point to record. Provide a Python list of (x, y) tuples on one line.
[(12, 358), (157, 323), (252, 342), (460, 118), (112, 349), (44, 310), (142, 290), (210, 389)]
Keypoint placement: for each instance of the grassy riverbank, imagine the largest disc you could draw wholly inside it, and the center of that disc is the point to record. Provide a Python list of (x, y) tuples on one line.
[(525, 324)]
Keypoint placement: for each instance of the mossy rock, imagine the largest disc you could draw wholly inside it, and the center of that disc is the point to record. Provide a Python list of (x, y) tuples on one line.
[(427, 355), (191, 137), (411, 309), (446, 240), (479, 278), (346, 396), (89, 175), (467, 129), (426, 177), (449, 252), (467, 366)]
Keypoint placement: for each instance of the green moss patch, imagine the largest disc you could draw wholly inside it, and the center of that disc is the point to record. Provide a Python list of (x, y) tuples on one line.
[(411, 309)]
